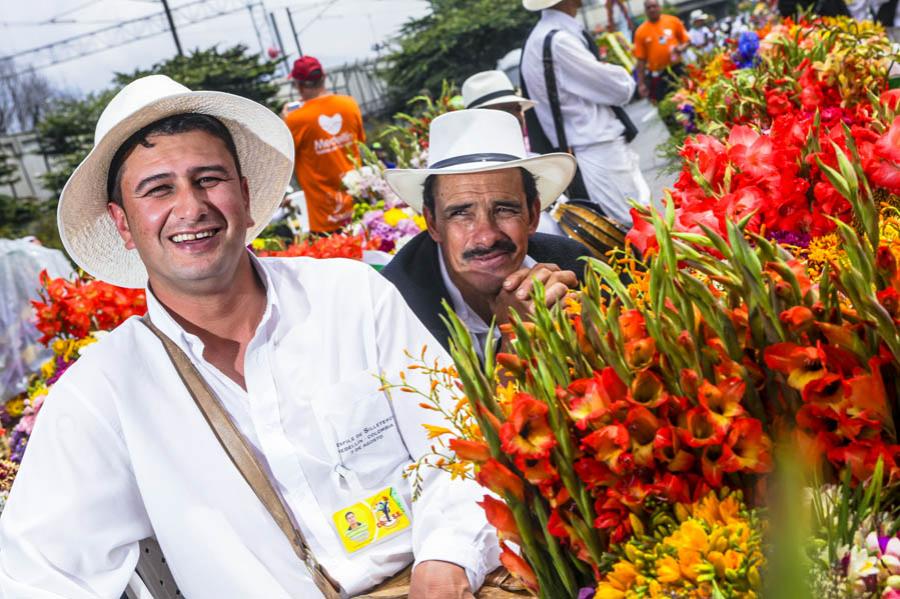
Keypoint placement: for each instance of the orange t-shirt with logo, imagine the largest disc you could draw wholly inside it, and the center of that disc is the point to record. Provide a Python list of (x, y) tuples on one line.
[(325, 131), (653, 42)]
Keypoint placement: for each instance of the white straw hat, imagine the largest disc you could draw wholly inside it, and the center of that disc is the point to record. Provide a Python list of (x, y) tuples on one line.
[(265, 150), (539, 4), (489, 88), (478, 140)]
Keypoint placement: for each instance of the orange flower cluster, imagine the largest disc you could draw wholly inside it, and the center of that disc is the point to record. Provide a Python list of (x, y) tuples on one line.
[(332, 246), (72, 309)]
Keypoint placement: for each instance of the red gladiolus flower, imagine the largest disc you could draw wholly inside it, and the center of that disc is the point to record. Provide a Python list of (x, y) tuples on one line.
[(595, 397), (712, 464), (891, 99), (632, 324), (866, 393), (640, 353), (608, 445), (593, 473), (527, 432), (800, 364), (500, 479), (518, 567), (642, 235), (537, 471), (777, 103), (474, 451), (667, 449), (501, 517), (826, 391)]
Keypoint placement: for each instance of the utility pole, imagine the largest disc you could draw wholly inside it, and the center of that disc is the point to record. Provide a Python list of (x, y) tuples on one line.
[(165, 4), (284, 60), (294, 30)]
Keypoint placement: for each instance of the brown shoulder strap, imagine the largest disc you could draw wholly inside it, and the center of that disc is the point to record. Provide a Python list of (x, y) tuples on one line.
[(237, 448)]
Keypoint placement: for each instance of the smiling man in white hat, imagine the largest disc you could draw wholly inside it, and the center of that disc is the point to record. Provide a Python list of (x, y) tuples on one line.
[(243, 419), (481, 196)]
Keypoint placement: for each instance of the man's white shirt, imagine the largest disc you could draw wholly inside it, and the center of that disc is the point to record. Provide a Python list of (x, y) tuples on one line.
[(120, 452), (587, 87), (478, 328)]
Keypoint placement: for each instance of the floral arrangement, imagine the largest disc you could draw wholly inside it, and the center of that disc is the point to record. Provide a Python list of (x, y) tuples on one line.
[(71, 315), (608, 427), (338, 245), (769, 119)]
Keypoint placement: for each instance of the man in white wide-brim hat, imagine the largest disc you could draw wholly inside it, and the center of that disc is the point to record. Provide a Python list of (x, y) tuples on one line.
[(481, 196), (177, 184)]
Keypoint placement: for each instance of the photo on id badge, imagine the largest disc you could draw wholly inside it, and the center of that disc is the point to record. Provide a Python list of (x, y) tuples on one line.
[(372, 520)]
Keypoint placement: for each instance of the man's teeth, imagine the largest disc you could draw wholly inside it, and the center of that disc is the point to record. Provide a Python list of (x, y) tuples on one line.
[(192, 236)]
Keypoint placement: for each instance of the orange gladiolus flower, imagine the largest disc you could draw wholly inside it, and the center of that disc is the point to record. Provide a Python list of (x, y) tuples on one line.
[(640, 353), (750, 447), (866, 392), (642, 426), (647, 390), (474, 451), (723, 400), (501, 517), (632, 324), (667, 449), (800, 364), (527, 432), (501, 480), (537, 471), (701, 429), (518, 567), (797, 318)]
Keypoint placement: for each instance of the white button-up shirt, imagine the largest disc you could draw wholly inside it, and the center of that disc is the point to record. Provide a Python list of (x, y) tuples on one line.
[(478, 329), (587, 87), (120, 452)]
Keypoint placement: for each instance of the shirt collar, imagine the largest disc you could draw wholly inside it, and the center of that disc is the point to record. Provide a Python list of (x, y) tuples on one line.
[(466, 314), (561, 20), (174, 331)]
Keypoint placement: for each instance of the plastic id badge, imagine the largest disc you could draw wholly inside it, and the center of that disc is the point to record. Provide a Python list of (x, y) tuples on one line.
[(372, 520)]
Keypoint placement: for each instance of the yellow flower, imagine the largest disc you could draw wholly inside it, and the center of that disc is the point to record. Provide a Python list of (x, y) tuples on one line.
[(622, 576), (15, 406), (436, 431), (394, 216), (690, 535), (258, 244), (689, 561), (420, 222), (667, 570)]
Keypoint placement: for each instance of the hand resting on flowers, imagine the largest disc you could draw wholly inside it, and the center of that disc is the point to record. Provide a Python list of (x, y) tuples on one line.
[(516, 291)]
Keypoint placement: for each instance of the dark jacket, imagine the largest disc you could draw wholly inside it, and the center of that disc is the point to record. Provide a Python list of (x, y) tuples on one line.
[(415, 271)]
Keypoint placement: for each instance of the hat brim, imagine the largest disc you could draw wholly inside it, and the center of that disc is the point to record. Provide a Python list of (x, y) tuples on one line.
[(552, 173), (265, 150), (525, 103), (539, 4)]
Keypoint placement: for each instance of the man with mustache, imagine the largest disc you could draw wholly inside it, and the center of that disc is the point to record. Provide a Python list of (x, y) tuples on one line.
[(481, 197)]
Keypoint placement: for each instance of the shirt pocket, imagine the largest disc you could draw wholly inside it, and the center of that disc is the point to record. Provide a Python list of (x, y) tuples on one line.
[(357, 422)]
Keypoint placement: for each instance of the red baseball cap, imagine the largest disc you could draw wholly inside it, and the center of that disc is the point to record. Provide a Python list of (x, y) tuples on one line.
[(307, 68)]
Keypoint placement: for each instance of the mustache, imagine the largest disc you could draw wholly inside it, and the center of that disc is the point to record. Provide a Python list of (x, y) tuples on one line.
[(502, 245)]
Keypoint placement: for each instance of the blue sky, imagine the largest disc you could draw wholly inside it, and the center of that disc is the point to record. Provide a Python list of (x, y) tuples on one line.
[(335, 31)]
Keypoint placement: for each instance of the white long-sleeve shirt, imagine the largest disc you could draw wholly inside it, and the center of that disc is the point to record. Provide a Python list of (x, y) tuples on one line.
[(120, 452), (587, 87)]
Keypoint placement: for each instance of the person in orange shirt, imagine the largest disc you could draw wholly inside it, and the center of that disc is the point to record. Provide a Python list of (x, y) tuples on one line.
[(658, 45), (326, 129)]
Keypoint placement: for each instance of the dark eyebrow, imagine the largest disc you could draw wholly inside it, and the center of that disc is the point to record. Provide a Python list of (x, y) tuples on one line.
[(216, 168), (455, 207), (508, 203), (152, 178)]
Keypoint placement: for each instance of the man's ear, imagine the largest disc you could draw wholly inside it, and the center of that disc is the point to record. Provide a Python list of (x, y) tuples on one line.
[(117, 214), (245, 191), (534, 215), (432, 225)]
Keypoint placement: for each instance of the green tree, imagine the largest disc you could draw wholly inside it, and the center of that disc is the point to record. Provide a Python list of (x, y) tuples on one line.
[(8, 171), (67, 133), (458, 38)]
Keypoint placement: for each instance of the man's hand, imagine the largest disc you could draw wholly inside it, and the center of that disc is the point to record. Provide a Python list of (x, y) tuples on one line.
[(517, 288), (439, 580)]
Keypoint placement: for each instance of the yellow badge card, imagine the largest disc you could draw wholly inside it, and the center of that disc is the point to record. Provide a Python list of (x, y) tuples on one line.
[(370, 521)]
